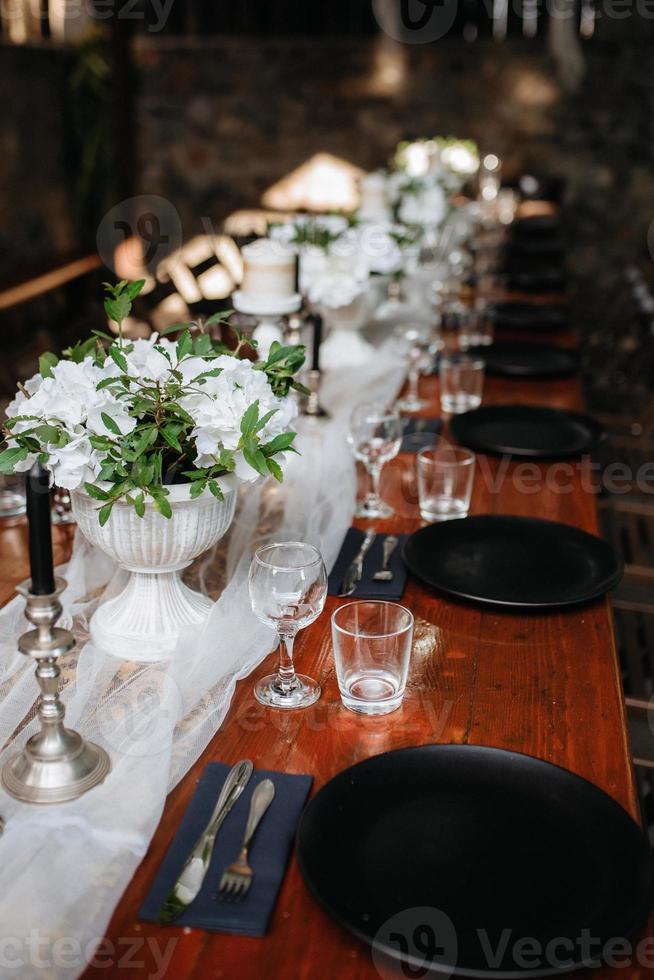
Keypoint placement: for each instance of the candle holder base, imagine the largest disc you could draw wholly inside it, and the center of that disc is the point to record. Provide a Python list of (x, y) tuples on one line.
[(57, 765), (37, 776), (311, 405)]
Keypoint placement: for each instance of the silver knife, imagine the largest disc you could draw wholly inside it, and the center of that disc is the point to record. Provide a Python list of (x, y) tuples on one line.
[(192, 876), (355, 571)]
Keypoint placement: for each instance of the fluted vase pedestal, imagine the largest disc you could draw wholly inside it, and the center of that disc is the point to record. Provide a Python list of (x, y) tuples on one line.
[(144, 621)]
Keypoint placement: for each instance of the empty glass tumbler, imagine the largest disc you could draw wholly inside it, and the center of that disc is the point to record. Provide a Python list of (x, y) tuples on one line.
[(461, 383), (372, 649), (445, 479)]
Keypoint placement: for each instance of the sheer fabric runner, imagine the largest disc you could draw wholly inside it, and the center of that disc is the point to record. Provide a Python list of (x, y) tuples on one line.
[(63, 868)]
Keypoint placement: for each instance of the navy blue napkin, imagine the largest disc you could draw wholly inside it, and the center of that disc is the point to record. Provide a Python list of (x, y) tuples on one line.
[(419, 434), (269, 853), (367, 587)]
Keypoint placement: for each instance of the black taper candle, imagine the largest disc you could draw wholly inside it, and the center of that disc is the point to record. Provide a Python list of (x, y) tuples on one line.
[(40, 532), (317, 341)]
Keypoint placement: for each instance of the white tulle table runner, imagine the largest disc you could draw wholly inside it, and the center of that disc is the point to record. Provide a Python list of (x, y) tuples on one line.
[(64, 868)]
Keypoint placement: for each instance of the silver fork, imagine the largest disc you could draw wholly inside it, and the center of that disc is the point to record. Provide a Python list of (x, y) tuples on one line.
[(236, 880), (384, 574)]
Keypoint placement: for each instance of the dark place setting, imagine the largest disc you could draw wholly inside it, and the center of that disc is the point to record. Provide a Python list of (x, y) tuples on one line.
[(326, 490)]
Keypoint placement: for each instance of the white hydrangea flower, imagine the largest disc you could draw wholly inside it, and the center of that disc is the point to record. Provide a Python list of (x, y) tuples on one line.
[(218, 407)]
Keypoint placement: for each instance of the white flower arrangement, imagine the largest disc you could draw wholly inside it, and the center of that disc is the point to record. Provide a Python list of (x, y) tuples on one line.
[(125, 419)]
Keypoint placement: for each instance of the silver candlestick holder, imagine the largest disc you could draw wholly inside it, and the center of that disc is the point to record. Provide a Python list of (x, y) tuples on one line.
[(56, 765), (311, 405)]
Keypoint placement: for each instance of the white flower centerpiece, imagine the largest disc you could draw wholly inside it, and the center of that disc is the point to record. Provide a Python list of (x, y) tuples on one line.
[(152, 438)]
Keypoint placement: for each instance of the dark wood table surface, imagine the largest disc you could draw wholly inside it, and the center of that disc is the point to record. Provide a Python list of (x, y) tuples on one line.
[(548, 685)]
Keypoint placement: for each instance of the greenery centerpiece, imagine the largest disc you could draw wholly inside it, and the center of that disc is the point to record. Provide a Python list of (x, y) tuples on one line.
[(127, 419)]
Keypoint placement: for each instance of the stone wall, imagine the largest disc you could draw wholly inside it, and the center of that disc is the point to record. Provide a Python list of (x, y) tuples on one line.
[(219, 120), (36, 221)]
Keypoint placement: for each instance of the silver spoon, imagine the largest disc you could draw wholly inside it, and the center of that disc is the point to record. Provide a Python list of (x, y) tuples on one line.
[(384, 574)]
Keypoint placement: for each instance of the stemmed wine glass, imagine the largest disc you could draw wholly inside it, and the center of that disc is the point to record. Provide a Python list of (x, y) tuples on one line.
[(375, 436), (288, 587), (414, 345)]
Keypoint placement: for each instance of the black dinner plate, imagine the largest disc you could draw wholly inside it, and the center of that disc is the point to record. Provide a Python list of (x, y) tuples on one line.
[(513, 562), (445, 857), (525, 246), (527, 431), (527, 360), (539, 281), (529, 316), (538, 225)]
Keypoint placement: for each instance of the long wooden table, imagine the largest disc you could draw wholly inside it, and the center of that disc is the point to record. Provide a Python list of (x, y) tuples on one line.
[(548, 685)]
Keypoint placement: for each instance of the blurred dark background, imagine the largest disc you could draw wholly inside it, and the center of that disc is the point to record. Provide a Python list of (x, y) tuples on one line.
[(209, 103)]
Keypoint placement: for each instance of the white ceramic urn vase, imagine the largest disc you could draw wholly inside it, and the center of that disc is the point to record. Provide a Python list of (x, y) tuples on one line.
[(143, 622)]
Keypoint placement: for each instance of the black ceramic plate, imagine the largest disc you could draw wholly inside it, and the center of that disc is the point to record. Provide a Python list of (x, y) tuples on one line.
[(529, 316), (524, 360), (443, 857), (523, 246), (544, 224), (540, 281), (528, 431), (508, 561)]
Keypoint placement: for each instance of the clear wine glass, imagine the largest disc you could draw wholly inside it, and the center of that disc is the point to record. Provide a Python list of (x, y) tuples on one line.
[(414, 346), (288, 587), (375, 436)]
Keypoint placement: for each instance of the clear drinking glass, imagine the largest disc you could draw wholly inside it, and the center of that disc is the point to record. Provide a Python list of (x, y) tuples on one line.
[(461, 383), (372, 649), (476, 327), (288, 587), (375, 436), (414, 345), (12, 495), (490, 177), (445, 478)]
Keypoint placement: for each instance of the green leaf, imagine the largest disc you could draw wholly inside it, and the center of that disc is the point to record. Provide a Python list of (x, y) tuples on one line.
[(172, 328), (147, 438), (115, 355), (96, 492), (80, 350), (264, 420), (101, 442), (110, 424), (275, 469), (218, 317), (104, 513), (249, 420), (197, 489), (214, 373), (46, 363), (255, 458), (202, 345), (215, 489), (170, 433), (139, 505), (184, 345), (47, 433), (106, 382), (162, 504), (163, 352), (134, 288), (281, 443), (10, 457), (118, 309)]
